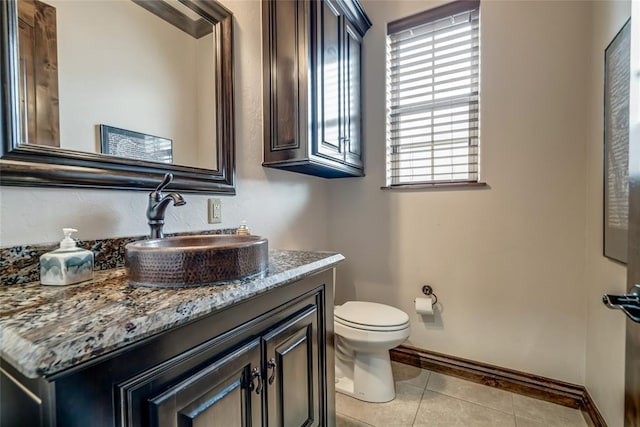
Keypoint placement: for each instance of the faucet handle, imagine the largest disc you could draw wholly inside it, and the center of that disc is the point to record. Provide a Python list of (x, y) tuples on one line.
[(168, 177)]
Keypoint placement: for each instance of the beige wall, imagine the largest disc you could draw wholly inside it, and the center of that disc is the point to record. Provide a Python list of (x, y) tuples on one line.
[(518, 267), (506, 262), (289, 209), (206, 95), (122, 66), (605, 329)]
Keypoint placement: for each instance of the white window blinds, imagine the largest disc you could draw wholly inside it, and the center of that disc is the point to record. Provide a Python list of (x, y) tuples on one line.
[(433, 102)]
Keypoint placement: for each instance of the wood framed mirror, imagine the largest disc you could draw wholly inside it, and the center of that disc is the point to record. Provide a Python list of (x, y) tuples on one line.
[(72, 148)]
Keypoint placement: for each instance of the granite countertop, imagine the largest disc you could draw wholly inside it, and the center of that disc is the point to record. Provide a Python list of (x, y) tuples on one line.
[(46, 329)]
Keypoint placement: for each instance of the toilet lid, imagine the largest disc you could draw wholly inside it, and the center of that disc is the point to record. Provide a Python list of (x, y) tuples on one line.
[(370, 314)]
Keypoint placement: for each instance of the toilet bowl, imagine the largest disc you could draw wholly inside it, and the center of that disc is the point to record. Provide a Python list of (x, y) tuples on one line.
[(364, 334)]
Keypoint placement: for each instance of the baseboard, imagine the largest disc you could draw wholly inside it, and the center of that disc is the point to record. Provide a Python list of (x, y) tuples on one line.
[(591, 413), (559, 392)]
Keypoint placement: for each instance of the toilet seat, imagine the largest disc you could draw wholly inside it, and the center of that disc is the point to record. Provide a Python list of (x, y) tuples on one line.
[(360, 338), (371, 316), (370, 327)]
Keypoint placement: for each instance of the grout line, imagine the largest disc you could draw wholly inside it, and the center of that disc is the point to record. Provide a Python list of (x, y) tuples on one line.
[(513, 408), (473, 403), (428, 378), (354, 419), (513, 412), (534, 420), (415, 417)]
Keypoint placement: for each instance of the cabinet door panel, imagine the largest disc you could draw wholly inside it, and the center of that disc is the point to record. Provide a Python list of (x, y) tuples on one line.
[(352, 101), (220, 395), (329, 24), (293, 356), (285, 80), (222, 406), (293, 396)]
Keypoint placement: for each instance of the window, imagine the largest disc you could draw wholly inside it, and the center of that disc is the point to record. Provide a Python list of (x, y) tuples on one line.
[(433, 96)]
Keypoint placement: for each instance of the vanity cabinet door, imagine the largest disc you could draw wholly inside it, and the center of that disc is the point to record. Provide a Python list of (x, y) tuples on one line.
[(292, 372), (226, 393)]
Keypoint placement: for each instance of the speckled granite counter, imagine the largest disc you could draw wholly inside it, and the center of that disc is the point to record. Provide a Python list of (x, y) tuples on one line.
[(45, 329)]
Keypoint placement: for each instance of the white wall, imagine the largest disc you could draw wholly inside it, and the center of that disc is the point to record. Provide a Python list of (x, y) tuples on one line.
[(507, 262), (605, 329), (289, 209)]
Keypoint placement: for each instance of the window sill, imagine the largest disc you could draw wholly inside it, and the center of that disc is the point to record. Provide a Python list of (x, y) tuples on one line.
[(439, 186)]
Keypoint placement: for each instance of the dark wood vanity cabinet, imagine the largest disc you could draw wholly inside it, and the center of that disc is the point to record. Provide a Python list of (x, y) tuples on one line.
[(312, 86), (271, 380), (265, 361)]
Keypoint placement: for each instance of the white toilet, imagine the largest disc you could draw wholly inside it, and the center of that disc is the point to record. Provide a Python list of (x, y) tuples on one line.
[(364, 334)]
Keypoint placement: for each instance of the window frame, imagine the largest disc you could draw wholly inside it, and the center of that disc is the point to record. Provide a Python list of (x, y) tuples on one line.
[(408, 23)]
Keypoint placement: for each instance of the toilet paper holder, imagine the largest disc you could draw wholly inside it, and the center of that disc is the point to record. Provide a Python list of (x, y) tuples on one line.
[(428, 291)]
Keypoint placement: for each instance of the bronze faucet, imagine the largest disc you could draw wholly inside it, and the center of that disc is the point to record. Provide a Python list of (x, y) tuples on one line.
[(158, 205)]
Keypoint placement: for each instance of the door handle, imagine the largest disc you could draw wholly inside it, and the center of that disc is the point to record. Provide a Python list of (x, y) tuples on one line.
[(628, 303), (255, 374), (271, 364)]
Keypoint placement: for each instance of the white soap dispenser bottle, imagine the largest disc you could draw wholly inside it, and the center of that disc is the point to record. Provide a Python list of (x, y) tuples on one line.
[(66, 265)]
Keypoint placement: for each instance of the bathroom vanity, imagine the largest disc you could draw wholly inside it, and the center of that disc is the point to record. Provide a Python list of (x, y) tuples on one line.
[(249, 352)]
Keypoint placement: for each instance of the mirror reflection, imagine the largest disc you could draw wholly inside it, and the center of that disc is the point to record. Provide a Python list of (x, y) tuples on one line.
[(132, 79)]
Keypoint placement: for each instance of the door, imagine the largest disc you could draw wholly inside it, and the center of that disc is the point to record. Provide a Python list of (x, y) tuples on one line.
[(225, 393), (39, 114), (352, 100), (328, 23), (632, 370), (291, 379)]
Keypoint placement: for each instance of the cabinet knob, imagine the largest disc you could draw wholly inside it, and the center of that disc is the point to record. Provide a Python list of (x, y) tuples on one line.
[(271, 364), (255, 375)]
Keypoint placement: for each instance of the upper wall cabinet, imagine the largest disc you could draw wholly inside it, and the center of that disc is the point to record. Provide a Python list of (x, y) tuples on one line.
[(312, 102)]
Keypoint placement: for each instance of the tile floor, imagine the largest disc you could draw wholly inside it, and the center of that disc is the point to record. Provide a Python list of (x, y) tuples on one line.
[(425, 398)]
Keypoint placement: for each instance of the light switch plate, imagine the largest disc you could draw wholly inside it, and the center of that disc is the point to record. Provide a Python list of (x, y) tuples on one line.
[(215, 211)]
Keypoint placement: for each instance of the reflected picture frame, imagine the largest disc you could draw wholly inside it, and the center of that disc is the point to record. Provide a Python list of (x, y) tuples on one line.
[(135, 145), (617, 68)]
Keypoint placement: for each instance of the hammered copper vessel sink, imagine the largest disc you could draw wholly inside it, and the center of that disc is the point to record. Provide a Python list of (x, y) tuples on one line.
[(183, 261)]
